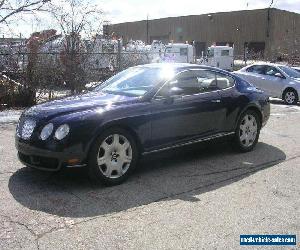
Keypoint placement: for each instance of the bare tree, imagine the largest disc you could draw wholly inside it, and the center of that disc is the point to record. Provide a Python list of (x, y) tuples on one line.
[(79, 21), (11, 8)]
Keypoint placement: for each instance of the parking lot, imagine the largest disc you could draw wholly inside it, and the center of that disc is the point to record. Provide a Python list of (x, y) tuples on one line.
[(199, 197)]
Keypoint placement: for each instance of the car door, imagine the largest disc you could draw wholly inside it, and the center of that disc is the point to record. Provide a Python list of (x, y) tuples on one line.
[(255, 75), (194, 113), (274, 81), (230, 100)]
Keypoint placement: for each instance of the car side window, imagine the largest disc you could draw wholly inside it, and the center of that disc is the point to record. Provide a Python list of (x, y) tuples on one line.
[(211, 81), (198, 81), (271, 71), (185, 81), (257, 69), (191, 82), (224, 81), (207, 80)]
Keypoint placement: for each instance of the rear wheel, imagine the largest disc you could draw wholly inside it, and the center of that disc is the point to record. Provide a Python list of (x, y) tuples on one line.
[(290, 96), (247, 131), (113, 157)]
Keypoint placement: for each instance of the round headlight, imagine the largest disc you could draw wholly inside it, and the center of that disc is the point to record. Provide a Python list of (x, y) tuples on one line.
[(27, 129), (47, 131), (62, 132)]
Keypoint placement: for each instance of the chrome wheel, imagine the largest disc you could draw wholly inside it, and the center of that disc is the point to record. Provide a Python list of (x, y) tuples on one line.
[(290, 97), (114, 156), (248, 130)]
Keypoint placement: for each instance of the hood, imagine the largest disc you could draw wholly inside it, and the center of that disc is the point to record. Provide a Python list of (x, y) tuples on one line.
[(91, 100)]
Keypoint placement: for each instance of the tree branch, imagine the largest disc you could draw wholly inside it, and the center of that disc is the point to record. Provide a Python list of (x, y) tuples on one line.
[(28, 6)]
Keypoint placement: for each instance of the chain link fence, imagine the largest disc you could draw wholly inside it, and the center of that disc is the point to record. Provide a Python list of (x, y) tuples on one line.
[(56, 74), (28, 78)]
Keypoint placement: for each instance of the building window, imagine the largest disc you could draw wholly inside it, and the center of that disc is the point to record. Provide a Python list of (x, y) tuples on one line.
[(183, 51), (225, 52)]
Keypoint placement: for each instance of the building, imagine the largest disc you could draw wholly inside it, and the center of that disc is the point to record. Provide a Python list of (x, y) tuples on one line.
[(269, 32)]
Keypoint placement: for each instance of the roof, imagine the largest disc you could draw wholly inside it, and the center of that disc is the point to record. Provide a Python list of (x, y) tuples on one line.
[(268, 64), (206, 14), (180, 66)]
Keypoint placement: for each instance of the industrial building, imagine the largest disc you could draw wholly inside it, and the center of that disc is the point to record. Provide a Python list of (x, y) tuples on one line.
[(268, 32)]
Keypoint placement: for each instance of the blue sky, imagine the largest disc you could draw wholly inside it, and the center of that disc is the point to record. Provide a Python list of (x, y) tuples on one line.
[(131, 10)]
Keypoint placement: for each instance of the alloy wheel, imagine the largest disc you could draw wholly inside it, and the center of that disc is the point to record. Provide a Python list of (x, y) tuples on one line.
[(248, 130), (290, 97), (114, 156)]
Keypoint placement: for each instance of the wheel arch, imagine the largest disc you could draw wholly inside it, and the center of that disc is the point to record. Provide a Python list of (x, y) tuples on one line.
[(115, 125), (252, 107), (289, 88)]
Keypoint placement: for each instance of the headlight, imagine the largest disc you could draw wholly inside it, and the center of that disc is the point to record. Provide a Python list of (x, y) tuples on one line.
[(47, 131), (62, 132), (27, 129)]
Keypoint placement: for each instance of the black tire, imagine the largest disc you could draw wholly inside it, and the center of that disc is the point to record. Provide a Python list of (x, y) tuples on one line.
[(94, 171), (287, 94), (237, 143)]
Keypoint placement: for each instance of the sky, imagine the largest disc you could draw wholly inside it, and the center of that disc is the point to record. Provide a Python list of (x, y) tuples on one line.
[(117, 11)]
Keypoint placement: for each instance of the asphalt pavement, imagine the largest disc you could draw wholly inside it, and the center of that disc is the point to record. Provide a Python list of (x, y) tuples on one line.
[(199, 197)]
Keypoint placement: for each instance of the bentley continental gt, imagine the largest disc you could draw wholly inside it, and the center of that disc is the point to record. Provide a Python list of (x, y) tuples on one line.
[(141, 110)]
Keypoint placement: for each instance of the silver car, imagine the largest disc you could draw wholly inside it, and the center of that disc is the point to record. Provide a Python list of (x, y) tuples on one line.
[(276, 80)]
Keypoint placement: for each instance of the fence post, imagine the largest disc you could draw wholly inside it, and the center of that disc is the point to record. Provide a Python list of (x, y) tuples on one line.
[(119, 55)]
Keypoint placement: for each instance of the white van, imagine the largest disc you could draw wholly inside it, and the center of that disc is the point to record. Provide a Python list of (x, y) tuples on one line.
[(220, 57), (179, 53)]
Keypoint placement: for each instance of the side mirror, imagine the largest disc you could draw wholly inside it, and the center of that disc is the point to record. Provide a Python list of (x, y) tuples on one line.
[(279, 75)]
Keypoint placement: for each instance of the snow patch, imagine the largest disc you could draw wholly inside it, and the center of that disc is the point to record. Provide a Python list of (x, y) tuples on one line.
[(10, 116)]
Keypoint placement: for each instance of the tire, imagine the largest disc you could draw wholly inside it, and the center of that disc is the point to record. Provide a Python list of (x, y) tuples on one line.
[(290, 96), (113, 157), (247, 131)]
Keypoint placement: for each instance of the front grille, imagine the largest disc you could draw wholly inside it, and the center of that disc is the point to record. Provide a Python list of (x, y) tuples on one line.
[(40, 161)]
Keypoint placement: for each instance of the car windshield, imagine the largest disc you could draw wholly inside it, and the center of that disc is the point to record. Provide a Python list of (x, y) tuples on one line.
[(135, 81), (290, 72)]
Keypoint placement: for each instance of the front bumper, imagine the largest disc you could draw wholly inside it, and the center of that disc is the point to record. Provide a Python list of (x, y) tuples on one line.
[(44, 159)]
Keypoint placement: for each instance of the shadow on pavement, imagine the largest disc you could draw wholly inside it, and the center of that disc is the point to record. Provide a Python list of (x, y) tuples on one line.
[(177, 174)]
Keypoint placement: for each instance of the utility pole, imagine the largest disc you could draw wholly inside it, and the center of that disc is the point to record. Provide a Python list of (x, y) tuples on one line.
[(147, 29), (269, 18)]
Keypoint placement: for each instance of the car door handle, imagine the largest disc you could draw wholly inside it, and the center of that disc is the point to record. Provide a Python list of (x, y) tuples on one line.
[(216, 101)]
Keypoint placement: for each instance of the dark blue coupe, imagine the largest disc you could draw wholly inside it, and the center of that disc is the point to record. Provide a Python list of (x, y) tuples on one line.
[(141, 110)]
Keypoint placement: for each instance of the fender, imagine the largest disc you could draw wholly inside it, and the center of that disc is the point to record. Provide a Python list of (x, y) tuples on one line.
[(252, 105), (121, 123)]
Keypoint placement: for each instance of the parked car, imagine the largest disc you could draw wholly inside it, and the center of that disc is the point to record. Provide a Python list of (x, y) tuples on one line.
[(296, 68), (277, 80), (141, 110)]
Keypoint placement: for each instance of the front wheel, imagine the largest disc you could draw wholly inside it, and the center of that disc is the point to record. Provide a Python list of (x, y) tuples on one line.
[(247, 131), (113, 157)]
